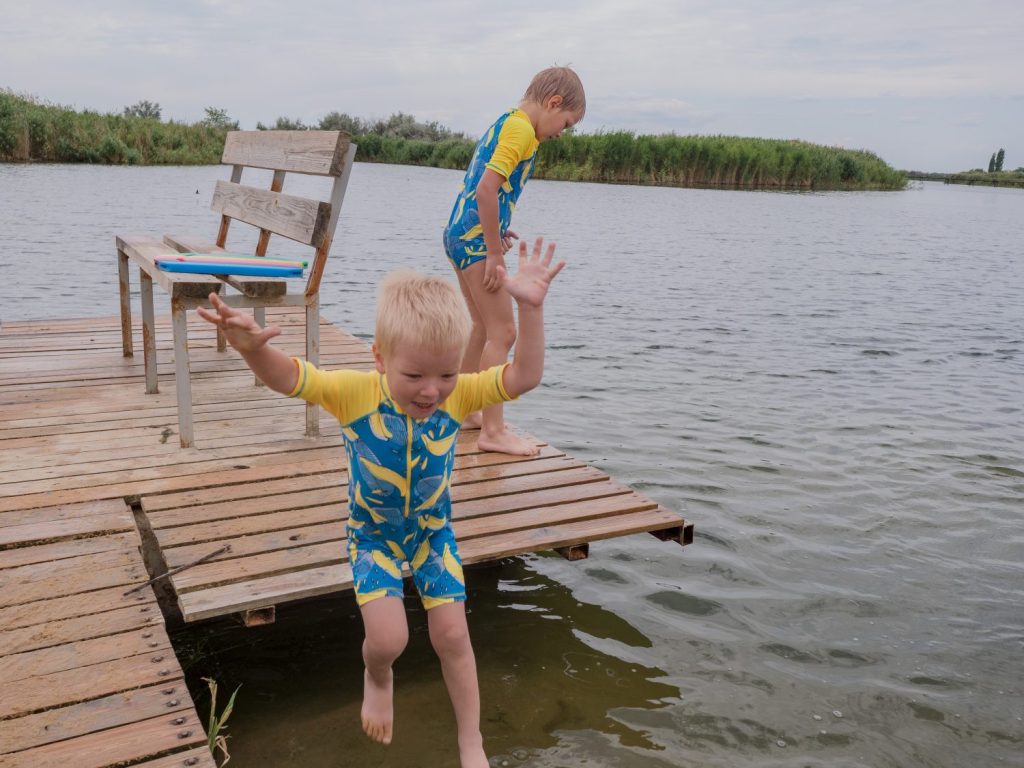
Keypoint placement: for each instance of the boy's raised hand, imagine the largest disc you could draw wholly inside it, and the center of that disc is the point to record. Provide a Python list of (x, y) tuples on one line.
[(530, 284), (241, 330)]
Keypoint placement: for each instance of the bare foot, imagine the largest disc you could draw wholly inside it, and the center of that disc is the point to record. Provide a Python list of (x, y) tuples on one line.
[(506, 442), (473, 421), (377, 713)]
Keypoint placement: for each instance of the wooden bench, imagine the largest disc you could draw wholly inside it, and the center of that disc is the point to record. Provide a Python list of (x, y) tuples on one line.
[(307, 221)]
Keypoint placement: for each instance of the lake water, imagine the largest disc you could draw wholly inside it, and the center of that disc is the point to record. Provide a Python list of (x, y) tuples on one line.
[(829, 385)]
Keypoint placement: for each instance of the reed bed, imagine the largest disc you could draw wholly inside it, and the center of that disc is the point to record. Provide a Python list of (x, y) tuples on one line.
[(33, 130)]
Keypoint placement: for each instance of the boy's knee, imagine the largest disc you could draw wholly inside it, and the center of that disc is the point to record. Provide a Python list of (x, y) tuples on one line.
[(450, 638), (503, 335), (387, 646)]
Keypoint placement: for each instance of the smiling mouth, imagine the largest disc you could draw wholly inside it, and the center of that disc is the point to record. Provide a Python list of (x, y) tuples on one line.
[(423, 406)]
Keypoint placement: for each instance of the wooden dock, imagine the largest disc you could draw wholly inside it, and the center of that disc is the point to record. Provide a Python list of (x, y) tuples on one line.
[(89, 463), (88, 677)]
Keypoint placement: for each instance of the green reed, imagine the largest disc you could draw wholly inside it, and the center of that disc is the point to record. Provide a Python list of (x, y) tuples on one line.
[(33, 130)]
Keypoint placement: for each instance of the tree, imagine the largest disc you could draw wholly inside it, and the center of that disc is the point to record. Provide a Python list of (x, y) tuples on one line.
[(992, 163), (340, 121), (283, 124), (1000, 155), (146, 109), (218, 118)]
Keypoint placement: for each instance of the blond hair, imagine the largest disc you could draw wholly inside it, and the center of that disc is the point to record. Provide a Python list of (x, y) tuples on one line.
[(420, 310), (558, 81)]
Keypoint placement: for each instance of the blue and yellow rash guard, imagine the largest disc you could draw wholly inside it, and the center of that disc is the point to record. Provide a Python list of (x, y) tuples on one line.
[(400, 469), (509, 147)]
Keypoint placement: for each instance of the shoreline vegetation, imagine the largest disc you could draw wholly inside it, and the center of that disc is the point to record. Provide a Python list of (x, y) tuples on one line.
[(33, 131), (977, 177)]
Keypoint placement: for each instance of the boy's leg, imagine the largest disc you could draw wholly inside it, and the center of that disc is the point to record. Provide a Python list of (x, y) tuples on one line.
[(477, 337), (495, 311), (449, 634), (387, 633)]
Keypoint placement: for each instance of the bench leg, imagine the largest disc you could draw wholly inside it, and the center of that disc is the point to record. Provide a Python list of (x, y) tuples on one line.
[(259, 314), (313, 356), (126, 304), (182, 374), (148, 331)]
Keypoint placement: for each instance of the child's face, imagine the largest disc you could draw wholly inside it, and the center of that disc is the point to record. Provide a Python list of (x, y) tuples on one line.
[(554, 119), (419, 379)]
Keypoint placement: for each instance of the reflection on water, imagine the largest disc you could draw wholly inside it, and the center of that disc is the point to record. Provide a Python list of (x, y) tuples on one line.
[(829, 385)]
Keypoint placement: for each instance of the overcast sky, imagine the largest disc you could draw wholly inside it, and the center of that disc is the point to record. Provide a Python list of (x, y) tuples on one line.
[(927, 85)]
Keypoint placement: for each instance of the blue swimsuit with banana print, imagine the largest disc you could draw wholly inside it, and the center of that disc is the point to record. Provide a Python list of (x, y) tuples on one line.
[(509, 147), (400, 470)]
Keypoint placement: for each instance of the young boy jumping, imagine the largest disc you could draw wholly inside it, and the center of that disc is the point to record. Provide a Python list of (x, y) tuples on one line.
[(478, 234), (399, 425)]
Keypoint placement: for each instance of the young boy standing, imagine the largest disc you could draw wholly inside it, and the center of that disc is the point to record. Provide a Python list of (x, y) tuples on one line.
[(399, 425), (478, 234)]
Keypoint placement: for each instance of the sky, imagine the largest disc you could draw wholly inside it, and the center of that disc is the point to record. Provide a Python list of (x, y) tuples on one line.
[(930, 86)]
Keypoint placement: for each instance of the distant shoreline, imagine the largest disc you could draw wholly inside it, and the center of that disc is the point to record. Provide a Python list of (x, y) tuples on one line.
[(981, 179), (31, 131)]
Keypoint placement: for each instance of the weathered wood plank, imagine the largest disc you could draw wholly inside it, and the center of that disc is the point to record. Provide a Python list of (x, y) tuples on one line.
[(144, 251), (123, 744), (93, 525), (70, 606), (84, 653), (313, 582), (69, 568), (94, 716), (320, 153), (74, 629), (297, 218), (83, 683), (44, 589), (61, 550)]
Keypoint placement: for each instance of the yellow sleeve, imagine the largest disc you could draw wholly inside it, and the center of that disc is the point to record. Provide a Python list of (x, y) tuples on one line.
[(516, 142), (477, 390), (344, 394)]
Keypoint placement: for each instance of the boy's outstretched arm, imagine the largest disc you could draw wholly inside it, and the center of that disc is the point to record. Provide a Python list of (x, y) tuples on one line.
[(529, 287), (273, 367)]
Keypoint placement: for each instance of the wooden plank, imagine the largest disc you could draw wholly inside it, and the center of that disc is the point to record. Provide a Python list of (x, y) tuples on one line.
[(78, 628), (65, 512), (144, 251), (83, 683), (44, 589), (280, 588), (116, 746), (69, 568), (69, 606), (320, 153), (93, 525), (84, 653), (296, 218), (61, 550), (94, 716)]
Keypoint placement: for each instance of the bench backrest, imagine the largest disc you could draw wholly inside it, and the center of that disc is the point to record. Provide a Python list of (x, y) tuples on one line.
[(308, 221)]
